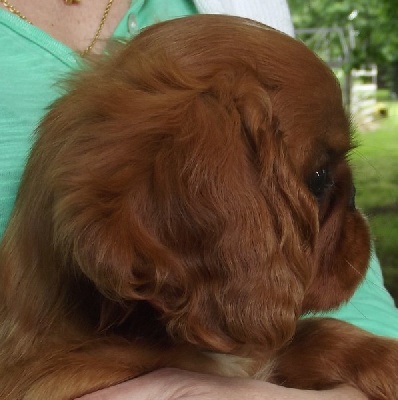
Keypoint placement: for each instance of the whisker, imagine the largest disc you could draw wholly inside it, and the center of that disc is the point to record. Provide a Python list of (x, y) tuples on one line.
[(360, 312), (362, 276), (379, 287), (355, 269), (368, 281)]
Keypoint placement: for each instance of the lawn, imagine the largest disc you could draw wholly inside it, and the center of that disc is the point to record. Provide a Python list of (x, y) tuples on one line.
[(375, 163)]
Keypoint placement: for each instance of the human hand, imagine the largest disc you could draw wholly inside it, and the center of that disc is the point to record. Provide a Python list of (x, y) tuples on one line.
[(174, 384)]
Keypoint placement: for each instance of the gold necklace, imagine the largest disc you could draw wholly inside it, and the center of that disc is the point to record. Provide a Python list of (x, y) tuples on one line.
[(13, 10), (87, 50)]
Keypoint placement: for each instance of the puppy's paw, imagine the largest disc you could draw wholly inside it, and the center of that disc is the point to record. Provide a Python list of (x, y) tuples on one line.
[(325, 353)]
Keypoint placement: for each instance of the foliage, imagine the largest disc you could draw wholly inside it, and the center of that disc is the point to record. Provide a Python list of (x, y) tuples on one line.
[(375, 23)]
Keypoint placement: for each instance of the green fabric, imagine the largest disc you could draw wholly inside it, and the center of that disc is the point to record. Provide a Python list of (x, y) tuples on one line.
[(31, 62), (148, 12), (371, 308)]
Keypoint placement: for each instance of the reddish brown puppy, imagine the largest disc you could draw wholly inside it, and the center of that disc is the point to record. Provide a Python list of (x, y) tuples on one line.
[(189, 196)]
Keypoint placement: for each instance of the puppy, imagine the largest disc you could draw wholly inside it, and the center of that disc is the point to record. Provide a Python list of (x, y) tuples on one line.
[(185, 203)]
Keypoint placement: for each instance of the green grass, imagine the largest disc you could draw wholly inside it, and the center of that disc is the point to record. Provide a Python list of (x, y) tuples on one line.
[(375, 164), (383, 95)]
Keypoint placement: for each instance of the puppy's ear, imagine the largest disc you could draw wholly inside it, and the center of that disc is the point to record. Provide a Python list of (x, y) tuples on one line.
[(185, 200), (176, 190), (238, 218)]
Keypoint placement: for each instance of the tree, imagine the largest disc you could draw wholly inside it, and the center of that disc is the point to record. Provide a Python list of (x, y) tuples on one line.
[(374, 21)]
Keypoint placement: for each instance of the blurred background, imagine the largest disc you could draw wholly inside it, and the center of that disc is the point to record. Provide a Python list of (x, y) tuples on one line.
[(359, 40)]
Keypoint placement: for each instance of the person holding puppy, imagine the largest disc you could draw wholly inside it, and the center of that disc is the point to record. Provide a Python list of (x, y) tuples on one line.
[(41, 53)]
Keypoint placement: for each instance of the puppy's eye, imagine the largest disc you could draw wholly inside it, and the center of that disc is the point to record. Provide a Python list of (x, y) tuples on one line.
[(319, 182)]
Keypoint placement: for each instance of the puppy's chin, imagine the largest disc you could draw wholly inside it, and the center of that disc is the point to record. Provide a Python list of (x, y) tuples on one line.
[(343, 253)]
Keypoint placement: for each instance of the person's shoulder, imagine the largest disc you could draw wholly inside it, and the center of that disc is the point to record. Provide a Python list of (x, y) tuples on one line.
[(371, 307)]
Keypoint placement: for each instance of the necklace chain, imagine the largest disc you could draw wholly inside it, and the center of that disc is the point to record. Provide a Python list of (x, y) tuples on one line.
[(13, 10), (87, 50)]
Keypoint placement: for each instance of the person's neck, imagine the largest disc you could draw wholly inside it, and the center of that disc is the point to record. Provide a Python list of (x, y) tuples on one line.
[(75, 25)]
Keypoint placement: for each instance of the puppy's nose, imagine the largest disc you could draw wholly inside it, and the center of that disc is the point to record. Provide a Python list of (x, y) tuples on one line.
[(351, 203)]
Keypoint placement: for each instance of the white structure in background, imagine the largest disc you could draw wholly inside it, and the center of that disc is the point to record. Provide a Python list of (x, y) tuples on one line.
[(363, 95)]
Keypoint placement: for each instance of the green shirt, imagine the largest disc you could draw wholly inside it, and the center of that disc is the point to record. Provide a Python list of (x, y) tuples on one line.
[(31, 62)]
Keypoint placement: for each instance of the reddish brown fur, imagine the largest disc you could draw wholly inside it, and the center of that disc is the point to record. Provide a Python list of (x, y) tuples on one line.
[(165, 210)]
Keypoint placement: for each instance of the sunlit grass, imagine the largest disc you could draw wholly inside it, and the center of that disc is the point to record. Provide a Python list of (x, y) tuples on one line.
[(375, 164)]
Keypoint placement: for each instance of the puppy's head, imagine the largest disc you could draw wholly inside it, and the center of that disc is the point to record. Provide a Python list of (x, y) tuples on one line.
[(202, 170)]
